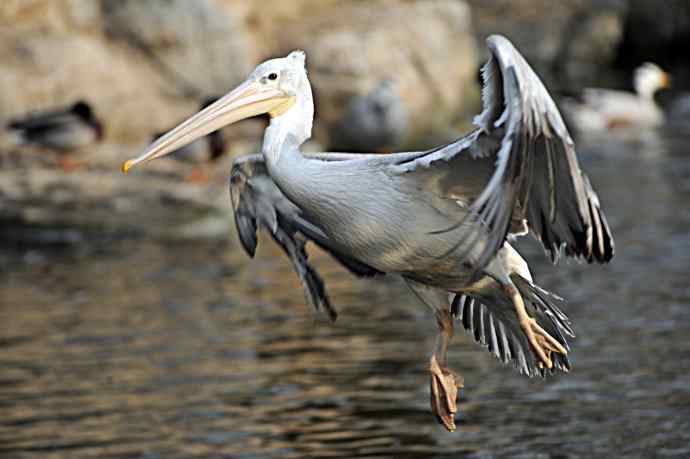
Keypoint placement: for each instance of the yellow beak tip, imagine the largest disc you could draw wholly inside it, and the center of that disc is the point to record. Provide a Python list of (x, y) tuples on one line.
[(126, 166)]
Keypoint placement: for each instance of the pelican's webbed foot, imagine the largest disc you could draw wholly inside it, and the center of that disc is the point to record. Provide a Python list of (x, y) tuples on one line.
[(542, 343), (444, 387)]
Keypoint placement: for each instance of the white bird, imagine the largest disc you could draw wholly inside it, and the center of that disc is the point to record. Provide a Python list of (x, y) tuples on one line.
[(601, 110)]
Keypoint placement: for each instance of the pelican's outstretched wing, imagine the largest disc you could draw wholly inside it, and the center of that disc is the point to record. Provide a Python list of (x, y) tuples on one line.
[(258, 203), (519, 165)]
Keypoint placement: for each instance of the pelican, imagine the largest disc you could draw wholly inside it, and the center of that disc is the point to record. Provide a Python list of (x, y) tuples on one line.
[(607, 109), (441, 219), (374, 121)]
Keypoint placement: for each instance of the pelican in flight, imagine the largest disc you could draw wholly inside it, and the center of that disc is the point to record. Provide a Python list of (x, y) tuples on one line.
[(441, 219), (608, 109)]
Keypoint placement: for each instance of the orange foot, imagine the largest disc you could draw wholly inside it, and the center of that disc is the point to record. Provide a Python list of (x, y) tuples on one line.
[(444, 394)]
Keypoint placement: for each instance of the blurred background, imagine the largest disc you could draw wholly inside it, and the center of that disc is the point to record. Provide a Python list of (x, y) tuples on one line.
[(133, 325)]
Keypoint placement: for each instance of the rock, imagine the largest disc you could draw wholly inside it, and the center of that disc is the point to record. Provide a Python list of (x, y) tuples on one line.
[(135, 60), (199, 45), (569, 46), (427, 48), (376, 121), (147, 64), (54, 71), (271, 28)]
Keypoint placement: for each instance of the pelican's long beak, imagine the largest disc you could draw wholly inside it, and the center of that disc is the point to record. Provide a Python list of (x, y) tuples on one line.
[(247, 100), (666, 80)]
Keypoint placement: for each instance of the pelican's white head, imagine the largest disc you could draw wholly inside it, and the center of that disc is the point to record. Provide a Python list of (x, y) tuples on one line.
[(278, 87), (289, 75), (648, 79)]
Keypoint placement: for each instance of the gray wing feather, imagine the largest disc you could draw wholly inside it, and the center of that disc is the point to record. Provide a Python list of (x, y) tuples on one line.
[(534, 173), (258, 203)]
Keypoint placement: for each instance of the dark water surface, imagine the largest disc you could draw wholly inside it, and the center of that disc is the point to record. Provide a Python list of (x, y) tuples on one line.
[(145, 349)]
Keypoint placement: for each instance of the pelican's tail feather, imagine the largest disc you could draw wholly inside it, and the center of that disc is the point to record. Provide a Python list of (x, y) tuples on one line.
[(491, 319)]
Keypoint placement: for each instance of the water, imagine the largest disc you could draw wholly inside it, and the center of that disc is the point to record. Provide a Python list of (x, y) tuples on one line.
[(133, 348)]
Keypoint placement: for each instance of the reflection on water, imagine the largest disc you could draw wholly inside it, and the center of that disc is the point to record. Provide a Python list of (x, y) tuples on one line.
[(135, 348)]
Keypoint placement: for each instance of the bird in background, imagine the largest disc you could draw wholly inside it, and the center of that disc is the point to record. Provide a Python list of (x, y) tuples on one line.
[(375, 121), (65, 131), (604, 110), (440, 219), (201, 152)]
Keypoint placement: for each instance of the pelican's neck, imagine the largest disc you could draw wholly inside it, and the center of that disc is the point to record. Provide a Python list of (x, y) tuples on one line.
[(293, 126), (280, 134), (297, 176)]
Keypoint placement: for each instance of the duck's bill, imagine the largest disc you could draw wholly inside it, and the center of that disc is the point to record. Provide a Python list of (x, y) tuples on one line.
[(247, 100), (666, 80)]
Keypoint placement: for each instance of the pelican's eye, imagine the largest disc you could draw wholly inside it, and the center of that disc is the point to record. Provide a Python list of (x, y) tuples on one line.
[(273, 76)]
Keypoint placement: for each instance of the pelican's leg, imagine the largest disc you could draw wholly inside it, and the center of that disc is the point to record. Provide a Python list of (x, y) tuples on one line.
[(444, 382), (542, 343)]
